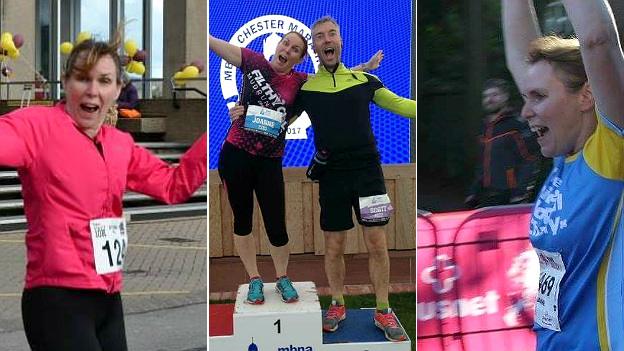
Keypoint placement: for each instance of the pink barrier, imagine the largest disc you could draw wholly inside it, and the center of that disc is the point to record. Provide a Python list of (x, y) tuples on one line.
[(477, 278)]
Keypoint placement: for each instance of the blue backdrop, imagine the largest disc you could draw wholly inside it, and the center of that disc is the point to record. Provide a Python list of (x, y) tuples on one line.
[(365, 28)]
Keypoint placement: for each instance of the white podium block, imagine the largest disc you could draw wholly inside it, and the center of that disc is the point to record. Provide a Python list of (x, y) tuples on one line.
[(275, 325), (279, 326)]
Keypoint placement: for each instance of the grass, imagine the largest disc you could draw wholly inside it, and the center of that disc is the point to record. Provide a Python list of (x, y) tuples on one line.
[(403, 304)]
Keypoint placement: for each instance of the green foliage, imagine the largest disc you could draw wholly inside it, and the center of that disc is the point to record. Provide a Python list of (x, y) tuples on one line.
[(449, 97), (440, 43)]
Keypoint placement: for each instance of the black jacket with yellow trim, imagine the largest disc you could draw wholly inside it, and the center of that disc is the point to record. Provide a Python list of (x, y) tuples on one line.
[(338, 106)]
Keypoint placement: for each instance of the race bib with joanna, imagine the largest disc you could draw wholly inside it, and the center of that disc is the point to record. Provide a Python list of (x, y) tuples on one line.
[(264, 121)]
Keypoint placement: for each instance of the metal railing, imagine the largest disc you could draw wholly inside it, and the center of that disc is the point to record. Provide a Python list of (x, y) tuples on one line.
[(147, 88), (175, 88)]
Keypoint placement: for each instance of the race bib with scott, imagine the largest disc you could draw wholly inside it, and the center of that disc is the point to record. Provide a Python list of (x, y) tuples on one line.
[(376, 208)]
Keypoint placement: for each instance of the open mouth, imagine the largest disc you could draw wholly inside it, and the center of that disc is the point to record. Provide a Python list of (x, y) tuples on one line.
[(89, 107), (540, 131), (282, 58), (329, 52)]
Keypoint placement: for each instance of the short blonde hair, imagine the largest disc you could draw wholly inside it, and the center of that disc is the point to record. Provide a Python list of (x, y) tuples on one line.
[(565, 57), (325, 19)]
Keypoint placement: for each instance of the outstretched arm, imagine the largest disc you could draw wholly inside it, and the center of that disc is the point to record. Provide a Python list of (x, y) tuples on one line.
[(152, 176), (394, 103), (372, 64), (230, 53), (602, 55), (519, 30), (15, 131)]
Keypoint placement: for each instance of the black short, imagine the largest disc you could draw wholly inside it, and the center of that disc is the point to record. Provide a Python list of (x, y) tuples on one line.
[(243, 174), (339, 192), (73, 320)]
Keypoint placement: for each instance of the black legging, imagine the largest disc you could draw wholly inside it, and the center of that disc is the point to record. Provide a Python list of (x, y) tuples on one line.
[(242, 174), (60, 319)]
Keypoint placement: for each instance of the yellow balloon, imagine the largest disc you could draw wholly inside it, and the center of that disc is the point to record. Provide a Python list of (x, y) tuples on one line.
[(190, 71), (139, 68), (6, 41), (14, 53), (82, 36), (130, 66), (5, 44), (131, 47), (178, 79), (6, 36), (66, 48)]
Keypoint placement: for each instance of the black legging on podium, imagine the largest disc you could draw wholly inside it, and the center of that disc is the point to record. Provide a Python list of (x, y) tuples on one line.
[(243, 173), (60, 319)]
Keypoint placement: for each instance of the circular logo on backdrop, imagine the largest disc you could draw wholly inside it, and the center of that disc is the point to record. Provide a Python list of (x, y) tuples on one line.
[(270, 30)]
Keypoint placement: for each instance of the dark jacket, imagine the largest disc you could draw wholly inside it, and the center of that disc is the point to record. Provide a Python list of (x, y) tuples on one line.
[(508, 157), (128, 97)]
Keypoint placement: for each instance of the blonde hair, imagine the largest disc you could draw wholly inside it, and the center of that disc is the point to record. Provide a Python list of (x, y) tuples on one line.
[(565, 57), (86, 54)]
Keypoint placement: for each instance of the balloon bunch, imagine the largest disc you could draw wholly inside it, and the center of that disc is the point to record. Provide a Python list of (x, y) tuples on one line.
[(67, 47), (191, 70), (134, 59), (9, 47)]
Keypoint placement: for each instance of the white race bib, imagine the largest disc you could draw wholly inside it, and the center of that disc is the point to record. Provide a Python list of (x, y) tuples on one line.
[(110, 242), (552, 271), (264, 120), (376, 208)]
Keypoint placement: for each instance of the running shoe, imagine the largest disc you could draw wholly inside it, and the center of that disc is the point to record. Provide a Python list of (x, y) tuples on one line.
[(386, 321), (287, 291), (255, 295), (334, 315)]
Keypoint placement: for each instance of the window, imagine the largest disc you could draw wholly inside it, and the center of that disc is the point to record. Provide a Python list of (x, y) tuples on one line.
[(95, 18)]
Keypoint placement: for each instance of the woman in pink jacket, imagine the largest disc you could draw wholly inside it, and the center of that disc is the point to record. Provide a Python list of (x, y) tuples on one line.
[(74, 171)]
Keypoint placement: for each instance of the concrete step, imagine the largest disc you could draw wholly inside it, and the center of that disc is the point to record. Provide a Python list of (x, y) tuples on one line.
[(161, 150), (128, 197), (170, 157), (143, 213), (164, 145), (136, 206), (11, 204), (10, 189), (8, 174), (143, 125)]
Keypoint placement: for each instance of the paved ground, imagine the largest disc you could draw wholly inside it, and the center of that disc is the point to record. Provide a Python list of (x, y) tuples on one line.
[(165, 286)]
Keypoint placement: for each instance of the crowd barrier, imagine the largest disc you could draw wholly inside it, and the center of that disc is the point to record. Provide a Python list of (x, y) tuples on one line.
[(477, 279)]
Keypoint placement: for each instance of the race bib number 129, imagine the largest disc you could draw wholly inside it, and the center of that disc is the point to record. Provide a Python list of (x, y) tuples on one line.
[(110, 242)]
